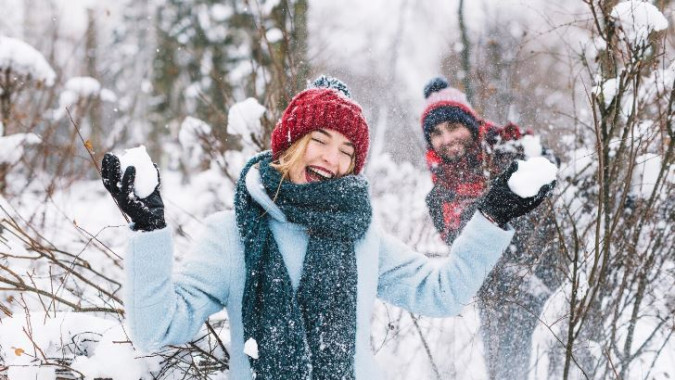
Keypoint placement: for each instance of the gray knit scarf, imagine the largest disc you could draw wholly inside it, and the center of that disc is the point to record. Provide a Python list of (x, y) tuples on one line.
[(311, 333)]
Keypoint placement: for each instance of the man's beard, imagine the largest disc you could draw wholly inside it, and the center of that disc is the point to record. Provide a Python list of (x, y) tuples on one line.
[(454, 153)]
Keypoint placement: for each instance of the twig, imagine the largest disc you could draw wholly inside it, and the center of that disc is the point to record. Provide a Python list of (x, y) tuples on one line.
[(84, 143), (426, 347)]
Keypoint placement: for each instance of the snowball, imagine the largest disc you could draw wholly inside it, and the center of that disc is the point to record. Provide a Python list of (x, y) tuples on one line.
[(638, 19), (531, 176), (23, 59), (251, 348), (146, 175), (531, 146)]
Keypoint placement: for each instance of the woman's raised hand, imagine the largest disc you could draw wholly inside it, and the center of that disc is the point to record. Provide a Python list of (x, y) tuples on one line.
[(146, 214)]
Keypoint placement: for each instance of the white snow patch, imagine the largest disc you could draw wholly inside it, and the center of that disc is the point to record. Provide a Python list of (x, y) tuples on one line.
[(107, 95), (607, 90), (531, 146), (31, 372), (146, 175), (244, 119), (77, 88), (531, 176), (221, 12), (12, 146), (581, 162), (101, 342), (645, 174), (114, 358), (83, 86), (638, 19), (23, 59), (274, 35), (191, 130), (251, 348)]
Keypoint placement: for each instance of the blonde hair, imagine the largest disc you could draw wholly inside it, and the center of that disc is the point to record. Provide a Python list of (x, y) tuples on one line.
[(295, 153)]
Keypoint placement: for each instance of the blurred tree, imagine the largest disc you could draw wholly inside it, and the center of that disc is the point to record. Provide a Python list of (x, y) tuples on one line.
[(211, 54)]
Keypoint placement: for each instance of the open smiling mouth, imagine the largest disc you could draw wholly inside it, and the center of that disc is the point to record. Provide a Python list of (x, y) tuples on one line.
[(316, 174)]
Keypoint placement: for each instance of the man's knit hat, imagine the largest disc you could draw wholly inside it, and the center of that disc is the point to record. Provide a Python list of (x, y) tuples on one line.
[(444, 103), (327, 104)]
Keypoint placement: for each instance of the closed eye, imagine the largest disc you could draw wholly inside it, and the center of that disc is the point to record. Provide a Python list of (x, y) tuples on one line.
[(318, 140)]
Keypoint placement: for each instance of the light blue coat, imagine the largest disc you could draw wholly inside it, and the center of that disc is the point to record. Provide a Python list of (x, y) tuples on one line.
[(165, 309)]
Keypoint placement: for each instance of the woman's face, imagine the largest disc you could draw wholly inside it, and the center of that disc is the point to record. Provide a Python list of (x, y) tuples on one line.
[(329, 155)]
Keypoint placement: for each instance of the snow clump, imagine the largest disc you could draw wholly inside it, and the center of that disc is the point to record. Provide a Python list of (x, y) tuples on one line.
[(22, 59), (251, 348), (244, 119), (638, 19), (77, 88), (531, 176), (146, 175), (12, 146)]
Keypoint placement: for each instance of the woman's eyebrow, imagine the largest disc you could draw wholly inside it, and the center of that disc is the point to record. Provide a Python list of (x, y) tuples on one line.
[(328, 134)]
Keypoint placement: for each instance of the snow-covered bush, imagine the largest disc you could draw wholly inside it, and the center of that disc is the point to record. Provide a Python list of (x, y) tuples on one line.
[(615, 208)]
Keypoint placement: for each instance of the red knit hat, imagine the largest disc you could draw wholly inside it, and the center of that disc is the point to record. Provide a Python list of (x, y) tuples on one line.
[(323, 108)]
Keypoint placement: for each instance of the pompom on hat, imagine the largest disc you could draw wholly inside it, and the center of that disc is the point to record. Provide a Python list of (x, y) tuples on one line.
[(327, 104), (445, 103)]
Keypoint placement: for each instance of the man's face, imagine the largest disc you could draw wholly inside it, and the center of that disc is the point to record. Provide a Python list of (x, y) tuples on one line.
[(451, 141)]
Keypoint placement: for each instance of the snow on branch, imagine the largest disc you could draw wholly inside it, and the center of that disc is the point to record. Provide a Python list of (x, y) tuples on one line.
[(12, 146), (244, 120), (77, 88), (638, 19), (22, 59)]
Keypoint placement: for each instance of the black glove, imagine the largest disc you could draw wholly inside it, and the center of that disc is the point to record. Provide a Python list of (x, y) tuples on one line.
[(147, 214), (502, 204)]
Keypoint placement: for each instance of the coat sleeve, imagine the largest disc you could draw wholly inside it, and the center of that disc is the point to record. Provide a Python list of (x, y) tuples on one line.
[(440, 287), (163, 309)]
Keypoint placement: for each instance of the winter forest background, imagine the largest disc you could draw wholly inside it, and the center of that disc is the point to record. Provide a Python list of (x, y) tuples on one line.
[(201, 83)]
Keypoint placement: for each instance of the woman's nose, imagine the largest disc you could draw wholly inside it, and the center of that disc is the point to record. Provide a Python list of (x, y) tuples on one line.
[(330, 156)]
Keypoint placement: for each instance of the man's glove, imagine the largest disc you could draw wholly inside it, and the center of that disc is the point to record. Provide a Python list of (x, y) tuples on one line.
[(501, 204), (147, 214)]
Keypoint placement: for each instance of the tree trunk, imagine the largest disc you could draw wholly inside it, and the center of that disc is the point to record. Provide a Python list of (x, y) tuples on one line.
[(466, 54)]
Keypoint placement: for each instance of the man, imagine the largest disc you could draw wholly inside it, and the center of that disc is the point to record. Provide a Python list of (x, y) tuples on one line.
[(464, 153)]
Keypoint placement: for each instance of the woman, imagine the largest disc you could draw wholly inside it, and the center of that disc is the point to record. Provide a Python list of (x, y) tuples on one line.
[(298, 263)]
